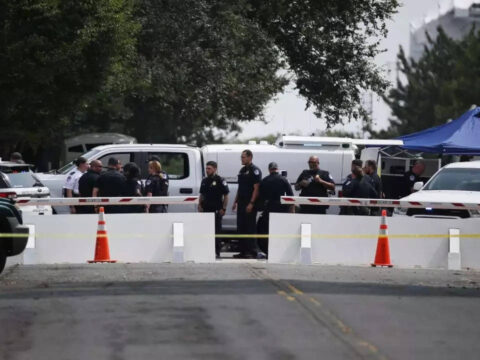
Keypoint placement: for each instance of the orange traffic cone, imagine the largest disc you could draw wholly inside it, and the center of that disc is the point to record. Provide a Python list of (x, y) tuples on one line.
[(382, 256), (102, 253)]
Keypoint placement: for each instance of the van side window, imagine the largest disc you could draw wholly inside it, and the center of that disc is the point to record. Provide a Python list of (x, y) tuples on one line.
[(174, 164), (76, 149), (123, 157)]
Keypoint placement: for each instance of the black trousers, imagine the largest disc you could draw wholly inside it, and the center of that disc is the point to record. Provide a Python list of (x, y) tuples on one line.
[(218, 230), (85, 209), (247, 225), (155, 208), (313, 209), (262, 228)]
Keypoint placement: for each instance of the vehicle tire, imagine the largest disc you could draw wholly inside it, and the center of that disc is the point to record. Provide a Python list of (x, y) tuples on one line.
[(3, 259)]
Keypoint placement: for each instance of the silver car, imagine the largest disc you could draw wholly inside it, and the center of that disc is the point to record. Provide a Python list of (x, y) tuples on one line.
[(17, 180)]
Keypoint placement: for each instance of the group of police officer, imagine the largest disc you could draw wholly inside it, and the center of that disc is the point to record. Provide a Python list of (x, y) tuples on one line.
[(254, 193), (88, 180)]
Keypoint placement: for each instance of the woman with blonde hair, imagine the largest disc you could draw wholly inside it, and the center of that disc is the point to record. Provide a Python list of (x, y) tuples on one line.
[(156, 185)]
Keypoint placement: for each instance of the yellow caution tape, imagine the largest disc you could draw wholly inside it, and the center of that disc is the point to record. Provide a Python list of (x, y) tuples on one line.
[(238, 236)]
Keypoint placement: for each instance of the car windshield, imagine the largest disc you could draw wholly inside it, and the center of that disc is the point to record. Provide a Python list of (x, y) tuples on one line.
[(70, 166), (9, 169), (455, 179), (23, 180)]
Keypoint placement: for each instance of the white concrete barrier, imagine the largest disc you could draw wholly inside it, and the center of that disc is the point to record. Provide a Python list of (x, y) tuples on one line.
[(132, 238), (352, 240)]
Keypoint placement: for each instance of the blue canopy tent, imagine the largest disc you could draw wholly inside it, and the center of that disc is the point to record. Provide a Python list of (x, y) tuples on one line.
[(458, 137)]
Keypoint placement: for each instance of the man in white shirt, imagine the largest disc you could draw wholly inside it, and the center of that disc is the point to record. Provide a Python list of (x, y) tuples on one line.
[(71, 184)]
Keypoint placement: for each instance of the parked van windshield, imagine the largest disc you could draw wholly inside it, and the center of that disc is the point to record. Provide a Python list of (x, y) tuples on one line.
[(456, 179)]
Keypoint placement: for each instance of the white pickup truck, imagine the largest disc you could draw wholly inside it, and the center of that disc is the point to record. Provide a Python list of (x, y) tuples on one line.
[(185, 164)]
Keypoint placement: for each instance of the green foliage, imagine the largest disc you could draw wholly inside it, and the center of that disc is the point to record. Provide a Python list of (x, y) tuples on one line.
[(179, 71), (207, 65), (56, 56), (341, 134), (203, 66), (440, 86), (329, 45)]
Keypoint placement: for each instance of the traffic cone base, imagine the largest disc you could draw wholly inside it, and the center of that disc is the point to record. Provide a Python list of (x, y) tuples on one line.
[(382, 255), (382, 265), (102, 252)]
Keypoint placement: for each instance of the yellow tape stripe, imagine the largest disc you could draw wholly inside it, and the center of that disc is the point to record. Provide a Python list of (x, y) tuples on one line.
[(242, 236)]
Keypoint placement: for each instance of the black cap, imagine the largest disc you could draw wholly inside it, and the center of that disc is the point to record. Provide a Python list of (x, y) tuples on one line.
[(357, 162), (272, 165), (113, 161)]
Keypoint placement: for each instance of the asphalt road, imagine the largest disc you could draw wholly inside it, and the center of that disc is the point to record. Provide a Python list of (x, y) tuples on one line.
[(237, 311)]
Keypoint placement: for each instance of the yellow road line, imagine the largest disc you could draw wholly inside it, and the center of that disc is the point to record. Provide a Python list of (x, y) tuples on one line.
[(293, 289), (285, 295)]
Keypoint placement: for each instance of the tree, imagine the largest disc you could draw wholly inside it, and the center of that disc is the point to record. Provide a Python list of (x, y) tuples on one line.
[(56, 58), (440, 86), (200, 67), (203, 67), (206, 65), (329, 45)]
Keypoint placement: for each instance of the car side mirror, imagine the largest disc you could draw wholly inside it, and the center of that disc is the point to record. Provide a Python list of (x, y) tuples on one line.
[(418, 185)]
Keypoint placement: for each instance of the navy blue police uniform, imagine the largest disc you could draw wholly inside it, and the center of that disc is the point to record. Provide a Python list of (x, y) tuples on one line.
[(213, 189), (358, 188), (409, 178), (85, 188), (158, 186), (272, 188), (133, 188), (376, 182), (314, 189), (248, 176), (346, 189), (111, 183)]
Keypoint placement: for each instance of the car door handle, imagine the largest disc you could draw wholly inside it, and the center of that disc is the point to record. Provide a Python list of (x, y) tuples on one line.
[(186, 190)]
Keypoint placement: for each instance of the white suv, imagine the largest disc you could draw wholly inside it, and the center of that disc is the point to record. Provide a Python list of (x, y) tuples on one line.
[(456, 183)]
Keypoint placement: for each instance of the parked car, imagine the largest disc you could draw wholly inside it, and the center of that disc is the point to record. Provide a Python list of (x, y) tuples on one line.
[(11, 223), (456, 183), (17, 180)]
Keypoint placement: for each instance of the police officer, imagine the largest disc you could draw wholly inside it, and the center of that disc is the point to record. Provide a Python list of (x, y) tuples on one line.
[(370, 169), (249, 179), (156, 185), (133, 186), (360, 187), (314, 182), (71, 183), (214, 198), (347, 184), (17, 157), (411, 177), (272, 188), (111, 183), (86, 183)]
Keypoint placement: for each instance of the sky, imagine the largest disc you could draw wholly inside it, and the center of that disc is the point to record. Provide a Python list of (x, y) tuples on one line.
[(287, 115)]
